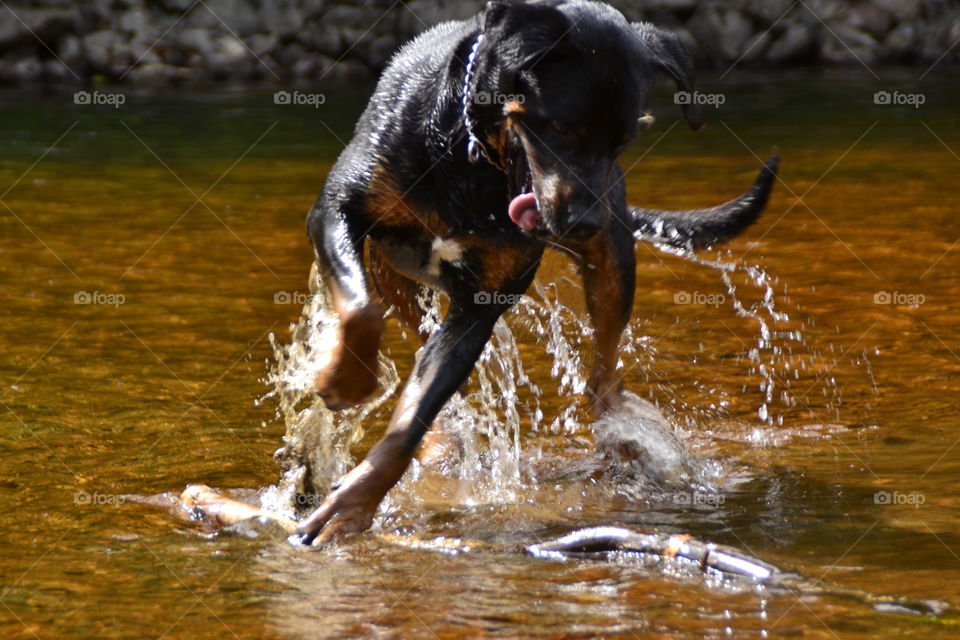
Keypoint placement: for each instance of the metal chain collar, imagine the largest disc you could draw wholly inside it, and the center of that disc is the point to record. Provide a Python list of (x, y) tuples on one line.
[(475, 148)]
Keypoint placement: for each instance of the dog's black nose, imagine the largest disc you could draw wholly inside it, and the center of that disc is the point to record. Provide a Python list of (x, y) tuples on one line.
[(584, 227), (585, 215)]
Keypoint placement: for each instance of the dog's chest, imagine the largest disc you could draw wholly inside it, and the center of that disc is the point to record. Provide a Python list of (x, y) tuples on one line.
[(424, 261)]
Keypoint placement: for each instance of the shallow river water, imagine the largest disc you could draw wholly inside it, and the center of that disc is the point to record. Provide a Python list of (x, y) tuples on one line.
[(147, 253)]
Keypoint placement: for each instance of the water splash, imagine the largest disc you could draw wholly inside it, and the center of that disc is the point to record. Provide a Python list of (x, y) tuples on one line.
[(564, 336), (316, 445), (780, 355), (643, 449), (487, 422), (646, 446)]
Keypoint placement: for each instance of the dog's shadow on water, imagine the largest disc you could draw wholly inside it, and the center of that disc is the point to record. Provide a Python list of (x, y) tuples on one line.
[(634, 470), (639, 473), (777, 515)]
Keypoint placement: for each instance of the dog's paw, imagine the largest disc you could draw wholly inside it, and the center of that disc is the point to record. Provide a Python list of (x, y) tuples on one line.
[(440, 448), (604, 395), (350, 508), (351, 374), (347, 381)]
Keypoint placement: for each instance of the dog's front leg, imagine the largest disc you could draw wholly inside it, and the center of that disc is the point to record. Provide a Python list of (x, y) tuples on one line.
[(351, 373), (608, 267), (445, 364)]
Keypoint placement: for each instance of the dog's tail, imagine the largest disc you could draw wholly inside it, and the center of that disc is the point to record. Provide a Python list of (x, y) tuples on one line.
[(699, 228)]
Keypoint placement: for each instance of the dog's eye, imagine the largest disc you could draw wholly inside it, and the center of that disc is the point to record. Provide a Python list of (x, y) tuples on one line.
[(560, 127)]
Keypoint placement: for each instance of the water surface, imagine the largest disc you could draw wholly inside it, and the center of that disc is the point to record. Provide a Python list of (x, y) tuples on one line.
[(180, 217)]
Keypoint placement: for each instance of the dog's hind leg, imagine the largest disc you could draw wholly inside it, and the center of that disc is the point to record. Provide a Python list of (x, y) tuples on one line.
[(608, 267), (351, 374), (446, 362)]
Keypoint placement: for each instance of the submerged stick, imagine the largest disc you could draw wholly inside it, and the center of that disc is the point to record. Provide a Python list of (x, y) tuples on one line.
[(204, 506), (200, 504), (728, 562)]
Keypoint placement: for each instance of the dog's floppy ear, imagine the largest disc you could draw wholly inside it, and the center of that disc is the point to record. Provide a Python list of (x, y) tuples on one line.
[(520, 33), (670, 56)]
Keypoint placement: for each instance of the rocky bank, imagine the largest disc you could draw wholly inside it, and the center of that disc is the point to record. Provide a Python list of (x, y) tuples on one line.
[(311, 41)]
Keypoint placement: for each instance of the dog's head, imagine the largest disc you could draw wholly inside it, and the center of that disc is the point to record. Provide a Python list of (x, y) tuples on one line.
[(563, 87)]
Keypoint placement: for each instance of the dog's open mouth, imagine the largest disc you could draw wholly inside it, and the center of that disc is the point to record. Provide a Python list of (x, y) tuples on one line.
[(523, 207)]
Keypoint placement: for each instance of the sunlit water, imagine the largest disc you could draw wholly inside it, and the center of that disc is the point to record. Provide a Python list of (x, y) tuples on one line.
[(793, 394)]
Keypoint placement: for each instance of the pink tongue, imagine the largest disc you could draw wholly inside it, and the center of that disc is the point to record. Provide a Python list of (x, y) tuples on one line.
[(523, 211)]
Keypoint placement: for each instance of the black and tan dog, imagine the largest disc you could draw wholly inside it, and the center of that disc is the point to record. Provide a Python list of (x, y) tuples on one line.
[(486, 141)]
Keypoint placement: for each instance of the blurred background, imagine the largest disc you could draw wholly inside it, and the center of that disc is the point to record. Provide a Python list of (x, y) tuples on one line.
[(271, 41)]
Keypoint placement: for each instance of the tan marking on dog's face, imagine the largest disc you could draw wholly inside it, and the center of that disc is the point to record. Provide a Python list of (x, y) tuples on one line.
[(514, 108), (501, 138)]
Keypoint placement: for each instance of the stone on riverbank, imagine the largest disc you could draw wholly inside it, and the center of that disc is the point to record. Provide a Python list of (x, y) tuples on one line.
[(300, 40)]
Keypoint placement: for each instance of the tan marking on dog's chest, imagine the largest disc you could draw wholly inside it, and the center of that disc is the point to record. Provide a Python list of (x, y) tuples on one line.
[(444, 250), (495, 265), (388, 204)]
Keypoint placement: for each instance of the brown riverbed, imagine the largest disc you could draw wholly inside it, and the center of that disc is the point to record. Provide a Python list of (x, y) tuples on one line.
[(152, 385)]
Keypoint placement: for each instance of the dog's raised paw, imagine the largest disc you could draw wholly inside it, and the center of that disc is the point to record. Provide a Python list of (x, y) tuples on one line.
[(350, 377)]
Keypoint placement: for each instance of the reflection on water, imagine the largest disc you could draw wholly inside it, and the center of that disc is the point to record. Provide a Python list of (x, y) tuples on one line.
[(803, 388)]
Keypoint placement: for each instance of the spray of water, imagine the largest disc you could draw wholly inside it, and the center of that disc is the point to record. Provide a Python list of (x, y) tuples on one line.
[(316, 446), (780, 355), (644, 446), (487, 422)]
